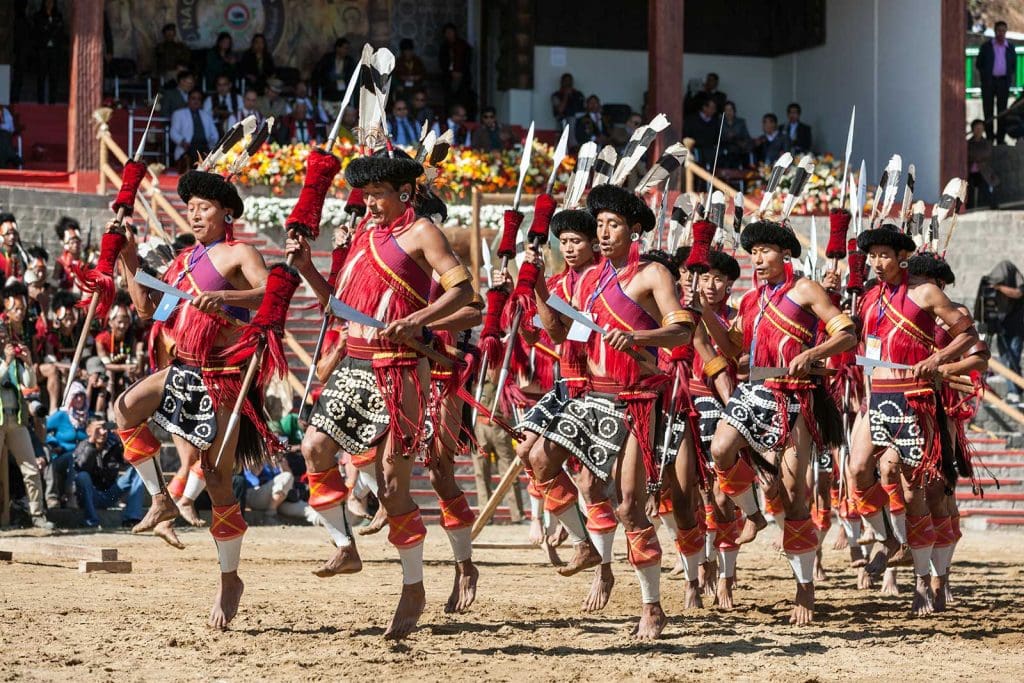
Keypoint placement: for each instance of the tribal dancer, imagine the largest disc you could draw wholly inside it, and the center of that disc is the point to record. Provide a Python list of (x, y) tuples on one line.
[(576, 231), (609, 427), (900, 315), (193, 397), (70, 260), (377, 396), (778, 321)]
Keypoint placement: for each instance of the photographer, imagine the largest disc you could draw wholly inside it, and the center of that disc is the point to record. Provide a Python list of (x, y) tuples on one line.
[(1006, 279), (98, 460)]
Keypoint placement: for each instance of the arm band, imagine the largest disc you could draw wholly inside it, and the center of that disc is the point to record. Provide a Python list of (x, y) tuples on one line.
[(715, 366), (736, 336), (678, 317), (453, 277), (980, 349), (962, 324), (838, 324)]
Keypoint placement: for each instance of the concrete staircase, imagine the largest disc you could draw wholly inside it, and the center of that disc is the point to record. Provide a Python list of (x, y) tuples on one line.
[(994, 507)]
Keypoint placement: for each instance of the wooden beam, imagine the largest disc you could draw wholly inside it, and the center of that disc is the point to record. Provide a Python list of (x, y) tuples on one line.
[(665, 68), (114, 567), (952, 109), (86, 84), (65, 551)]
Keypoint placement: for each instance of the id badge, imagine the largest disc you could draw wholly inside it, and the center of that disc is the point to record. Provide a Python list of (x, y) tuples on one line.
[(873, 348), (579, 332), (168, 302)]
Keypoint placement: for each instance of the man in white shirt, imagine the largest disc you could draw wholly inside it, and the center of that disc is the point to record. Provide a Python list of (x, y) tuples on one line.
[(223, 103), (193, 132), (249, 108)]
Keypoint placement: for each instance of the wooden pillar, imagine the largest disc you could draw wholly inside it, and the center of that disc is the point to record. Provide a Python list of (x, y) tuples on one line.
[(665, 67), (86, 84), (952, 110)]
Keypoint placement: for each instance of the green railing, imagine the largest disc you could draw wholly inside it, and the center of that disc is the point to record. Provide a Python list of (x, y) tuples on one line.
[(973, 82)]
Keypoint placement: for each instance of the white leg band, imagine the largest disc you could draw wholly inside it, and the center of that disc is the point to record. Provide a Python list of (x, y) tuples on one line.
[(876, 523), (803, 566), (603, 541), (462, 542), (709, 545), (368, 476), (194, 486), (536, 508), (747, 502), (571, 519), (229, 553), (359, 489), (650, 583), (852, 528), (727, 563), (334, 521), (691, 563), (149, 475), (412, 564), (779, 518), (941, 557), (899, 525), (670, 523), (551, 523), (922, 560)]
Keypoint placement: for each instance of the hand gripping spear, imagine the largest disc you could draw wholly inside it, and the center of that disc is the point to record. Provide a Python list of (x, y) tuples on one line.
[(522, 295), (99, 281)]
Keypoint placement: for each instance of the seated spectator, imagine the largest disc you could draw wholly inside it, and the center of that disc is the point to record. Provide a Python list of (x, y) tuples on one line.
[(98, 482), (272, 104), (70, 235), (250, 107), (456, 123), (65, 428), (264, 490), (703, 128), (567, 101), (222, 104), (333, 71), (773, 143), (798, 132), (314, 112), (300, 128), (981, 179), (61, 340), (736, 142), (709, 90), (257, 63), (16, 328), (169, 53), (97, 383), (35, 281), (592, 126), (12, 263), (221, 60), (175, 98), (193, 132), (404, 130), (409, 70), (421, 113), (489, 135), (118, 347), (8, 156)]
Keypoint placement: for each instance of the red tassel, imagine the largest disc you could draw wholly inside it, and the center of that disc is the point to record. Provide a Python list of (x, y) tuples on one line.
[(338, 257), (355, 205), (858, 267), (522, 300), (507, 246), (131, 179), (700, 251), (543, 210), (99, 281), (496, 300), (839, 223), (321, 167)]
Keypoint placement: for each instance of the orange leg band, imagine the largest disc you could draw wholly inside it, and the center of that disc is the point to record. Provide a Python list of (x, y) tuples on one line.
[(945, 535), (897, 503), (871, 500), (920, 531), (737, 479), (139, 444), (406, 530), (799, 536), (363, 459), (601, 517), (455, 513), (559, 493), (643, 547), (728, 532), (773, 506), (326, 489), (822, 519), (197, 469), (228, 522), (690, 541), (176, 487)]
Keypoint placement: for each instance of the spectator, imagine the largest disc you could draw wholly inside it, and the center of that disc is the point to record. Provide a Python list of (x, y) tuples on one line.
[(61, 338), (489, 135), (118, 347), (592, 126), (332, 73), (51, 48), (404, 130), (773, 143), (70, 235), (265, 489), (454, 60), (736, 142), (176, 98), (250, 107), (220, 60), (798, 132), (169, 53), (99, 460), (300, 128), (981, 179), (8, 156), (98, 385), (65, 428), (349, 120), (193, 132), (492, 439), (257, 63), (12, 263), (421, 112), (703, 128), (1006, 279), (567, 101), (314, 112), (409, 70), (272, 104), (997, 64), (222, 104), (708, 91), (456, 123)]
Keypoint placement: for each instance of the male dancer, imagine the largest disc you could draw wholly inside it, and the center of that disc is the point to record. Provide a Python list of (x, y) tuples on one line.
[(779, 320), (609, 427), (194, 396), (377, 395), (900, 315)]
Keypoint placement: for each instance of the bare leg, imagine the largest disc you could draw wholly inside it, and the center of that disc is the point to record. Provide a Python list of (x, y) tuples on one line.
[(725, 448), (218, 484), (795, 465)]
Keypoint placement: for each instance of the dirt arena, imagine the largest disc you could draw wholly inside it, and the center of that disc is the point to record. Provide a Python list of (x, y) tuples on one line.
[(57, 624)]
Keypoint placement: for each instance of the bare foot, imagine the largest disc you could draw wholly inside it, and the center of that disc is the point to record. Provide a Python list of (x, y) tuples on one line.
[(380, 520), (165, 530), (706, 575), (950, 600), (939, 593), (558, 538), (902, 557), (867, 536), (841, 542), (553, 557), (187, 510), (753, 524), (693, 599), (864, 580), (163, 509), (225, 605), (357, 506), (803, 607), (585, 557), (878, 563), (410, 607), (922, 605), (858, 557), (819, 567), (678, 571), (536, 531), (652, 622), (724, 596), (345, 561), (464, 590), (600, 589), (889, 585)]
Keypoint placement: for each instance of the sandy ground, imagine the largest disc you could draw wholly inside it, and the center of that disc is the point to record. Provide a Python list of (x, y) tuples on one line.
[(57, 624)]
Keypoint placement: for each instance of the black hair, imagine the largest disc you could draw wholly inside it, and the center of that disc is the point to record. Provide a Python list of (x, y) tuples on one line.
[(39, 252), (16, 288), (621, 202), (488, 110), (682, 253), (770, 117), (221, 36), (63, 297), (727, 103), (794, 105), (380, 168), (724, 264), (213, 187), (662, 257), (183, 74), (340, 42), (998, 24), (769, 232), (7, 216), (169, 27), (931, 266), (196, 90), (63, 224), (406, 44), (574, 220), (888, 235)]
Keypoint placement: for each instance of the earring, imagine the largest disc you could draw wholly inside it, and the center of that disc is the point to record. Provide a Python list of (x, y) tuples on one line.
[(785, 259), (904, 265), (596, 248), (728, 290), (635, 237), (229, 219), (404, 197)]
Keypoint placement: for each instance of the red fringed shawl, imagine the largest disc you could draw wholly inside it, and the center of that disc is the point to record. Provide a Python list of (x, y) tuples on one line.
[(907, 332)]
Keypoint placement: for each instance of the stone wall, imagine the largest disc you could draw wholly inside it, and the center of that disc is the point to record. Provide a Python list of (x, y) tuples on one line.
[(38, 211)]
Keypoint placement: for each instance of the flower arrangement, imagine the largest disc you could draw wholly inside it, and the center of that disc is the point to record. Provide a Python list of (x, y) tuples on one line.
[(821, 192)]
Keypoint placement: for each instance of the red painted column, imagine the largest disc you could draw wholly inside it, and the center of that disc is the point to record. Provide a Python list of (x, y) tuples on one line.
[(86, 85), (665, 67), (953, 114)]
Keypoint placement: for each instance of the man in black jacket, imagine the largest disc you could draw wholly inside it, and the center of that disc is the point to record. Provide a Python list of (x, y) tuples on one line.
[(997, 64), (98, 460), (798, 132)]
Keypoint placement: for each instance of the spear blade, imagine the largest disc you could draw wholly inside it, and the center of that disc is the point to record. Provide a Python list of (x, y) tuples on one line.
[(846, 158), (558, 158), (524, 166)]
